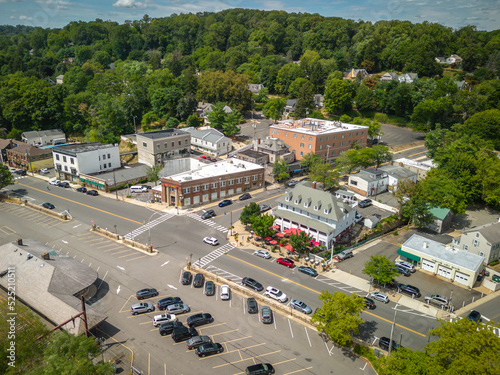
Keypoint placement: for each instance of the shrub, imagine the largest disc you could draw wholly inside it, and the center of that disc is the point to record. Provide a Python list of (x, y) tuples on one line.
[(395, 232), (494, 263)]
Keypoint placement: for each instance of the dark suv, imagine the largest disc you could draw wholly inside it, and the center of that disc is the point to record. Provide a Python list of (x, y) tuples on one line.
[(208, 214), (209, 288), (260, 369), (164, 302), (199, 319), (252, 306), (199, 279), (146, 293), (183, 333), (412, 291), (369, 303), (186, 278), (251, 283), (167, 328), (384, 344)]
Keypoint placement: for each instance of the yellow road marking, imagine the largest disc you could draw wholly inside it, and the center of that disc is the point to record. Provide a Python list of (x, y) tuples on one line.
[(294, 372), (102, 247), (128, 255), (118, 252), (212, 326), (232, 351), (246, 359), (128, 260), (317, 292), (222, 333)]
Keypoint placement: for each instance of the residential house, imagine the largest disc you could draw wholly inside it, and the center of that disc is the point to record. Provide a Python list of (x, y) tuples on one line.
[(255, 87), (372, 221), (440, 60), (276, 149), (445, 261), (60, 79), (369, 182), (28, 157), (319, 100), (483, 240), (5, 144), (204, 109), (419, 167), (204, 183), (326, 138), (442, 219), (71, 161), (289, 107), (252, 156), (454, 60), (355, 74), (44, 137), (156, 146), (209, 140), (323, 216), (389, 76), (396, 174), (407, 77)]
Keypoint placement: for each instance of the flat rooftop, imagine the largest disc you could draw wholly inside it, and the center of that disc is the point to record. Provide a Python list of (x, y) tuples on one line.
[(76, 148), (162, 133), (221, 168), (315, 127)]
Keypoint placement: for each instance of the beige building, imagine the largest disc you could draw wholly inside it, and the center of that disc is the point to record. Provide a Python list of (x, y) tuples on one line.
[(276, 149), (252, 156), (483, 240), (157, 146)]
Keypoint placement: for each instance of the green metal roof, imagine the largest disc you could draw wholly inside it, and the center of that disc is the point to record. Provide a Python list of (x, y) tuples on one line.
[(439, 212), (409, 255)]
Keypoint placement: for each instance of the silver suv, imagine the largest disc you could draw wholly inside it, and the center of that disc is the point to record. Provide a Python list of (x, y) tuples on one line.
[(142, 307), (436, 299)]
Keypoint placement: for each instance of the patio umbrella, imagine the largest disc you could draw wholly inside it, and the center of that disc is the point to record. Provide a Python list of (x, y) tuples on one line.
[(281, 235), (314, 243), (258, 237), (268, 238), (287, 231), (273, 242), (295, 231), (289, 247), (275, 227)]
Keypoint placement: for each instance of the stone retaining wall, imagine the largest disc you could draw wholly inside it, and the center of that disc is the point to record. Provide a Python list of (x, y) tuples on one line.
[(116, 237)]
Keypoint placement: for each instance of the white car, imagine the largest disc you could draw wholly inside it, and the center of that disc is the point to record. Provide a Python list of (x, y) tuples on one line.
[(54, 182), (211, 241), (276, 294), (263, 254), (163, 318), (224, 292), (379, 296), (44, 171)]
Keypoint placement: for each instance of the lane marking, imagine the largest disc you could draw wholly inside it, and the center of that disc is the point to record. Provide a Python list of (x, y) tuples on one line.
[(239, 209), (294, 372), (308, 339)]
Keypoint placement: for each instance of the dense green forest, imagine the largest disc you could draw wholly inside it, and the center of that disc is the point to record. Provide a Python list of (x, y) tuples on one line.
[(153, 71)]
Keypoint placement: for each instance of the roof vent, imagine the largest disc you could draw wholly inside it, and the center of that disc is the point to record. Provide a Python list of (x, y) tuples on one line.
[(426, 245)]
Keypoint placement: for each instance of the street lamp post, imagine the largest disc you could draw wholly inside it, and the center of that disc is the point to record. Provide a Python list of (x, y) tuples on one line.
[(149, 228)]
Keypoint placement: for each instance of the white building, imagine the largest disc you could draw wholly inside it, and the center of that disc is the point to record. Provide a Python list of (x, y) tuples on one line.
[(72, 160), (209, 141), (44, 137)]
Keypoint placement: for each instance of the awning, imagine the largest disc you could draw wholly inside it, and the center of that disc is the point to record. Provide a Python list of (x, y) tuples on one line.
[(408, 255)]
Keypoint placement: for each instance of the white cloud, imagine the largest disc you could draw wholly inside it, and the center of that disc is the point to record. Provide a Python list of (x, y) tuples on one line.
[(25, 18), (129, 4)]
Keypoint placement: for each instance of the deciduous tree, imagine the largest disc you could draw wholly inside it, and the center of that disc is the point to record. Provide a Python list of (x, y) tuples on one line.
[(300, 241), (383, 155), (274, 108), (381, 269), (325, 174), (5, 177), (339, 94), (280, 170), (249, 213), (261, 225)]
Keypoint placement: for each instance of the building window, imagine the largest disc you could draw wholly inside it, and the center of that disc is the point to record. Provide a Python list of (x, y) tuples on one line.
[(466, 247), (321, 147), (301, 153), (105, 165), (350, 134), (180, 144), (302, 137), (64, 159), (295, 136), (186, 190), (272, 131), (286, 134), (109, 156), (205, 187), (223, 183), (310, 146), (231, 182), (72, 161), (357, 134), (301, 145), (196, 189), (333, 144), (350, 142), (166, 145), (57, 156), (66, 168), (254, 178), (354, 183), (173, 144), (239, 180), (214, 185), (343, 136), (334, 137), (476, 243), (477, 235), (247, 179), (481, 254), (310, 139), (328, 138), (158, 146), (277, 132), (321, 139), (104, 157)]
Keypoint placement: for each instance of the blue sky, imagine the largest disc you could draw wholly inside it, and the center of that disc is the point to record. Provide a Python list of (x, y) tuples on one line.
[(484, 14)]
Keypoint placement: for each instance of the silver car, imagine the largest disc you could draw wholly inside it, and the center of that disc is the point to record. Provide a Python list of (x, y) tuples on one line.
[(142, 307), (379, 296), (263, 254), (436, 300), (177, 308), (266, 314), (301, 306), (196, 341)]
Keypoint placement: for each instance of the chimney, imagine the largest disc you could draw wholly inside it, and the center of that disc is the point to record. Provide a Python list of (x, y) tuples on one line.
[(314, 184), (426, 245)]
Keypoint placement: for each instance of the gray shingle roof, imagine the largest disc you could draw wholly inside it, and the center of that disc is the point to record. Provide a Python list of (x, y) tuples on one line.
[(43, 133), (490, 231), (398, 172), (209, 135)]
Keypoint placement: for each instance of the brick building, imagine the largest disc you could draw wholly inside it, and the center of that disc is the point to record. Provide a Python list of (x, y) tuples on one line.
[(22, 155), (328, 139)]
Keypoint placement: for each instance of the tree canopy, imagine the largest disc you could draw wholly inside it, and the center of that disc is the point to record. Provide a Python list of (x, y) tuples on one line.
[(381, 269)]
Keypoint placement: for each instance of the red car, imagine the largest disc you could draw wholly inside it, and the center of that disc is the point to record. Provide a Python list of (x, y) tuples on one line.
[(285, 262)]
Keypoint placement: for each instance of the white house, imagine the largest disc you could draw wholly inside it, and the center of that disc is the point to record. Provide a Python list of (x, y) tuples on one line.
[(210, 141), (323, 216), (71, 160), (396, 174), (44, 137), (407, 77), (373, 181)]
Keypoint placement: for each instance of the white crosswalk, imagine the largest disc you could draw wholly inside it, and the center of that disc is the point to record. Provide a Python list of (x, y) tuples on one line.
[(145, 227), (339, 285), (209, 222), (213, 255), (227, 275)]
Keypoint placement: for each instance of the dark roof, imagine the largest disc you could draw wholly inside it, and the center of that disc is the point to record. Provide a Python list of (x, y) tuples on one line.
[(121, 175), (74, 149), (162, 133), (252, 154), (24, 148)]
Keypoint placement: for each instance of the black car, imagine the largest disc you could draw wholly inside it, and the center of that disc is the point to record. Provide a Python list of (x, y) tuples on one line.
[(245, 196), (209, 288), (63, 184), (252, 306), (164, 302), (260, 369), (225, 202), (412, 291), (308, 271), (168, 328), (383, 342), (81, 190), (20, 172), (199, 279), (48, 205), (146, 293), (365, 203), (369, 303), (266, 314), (92, 192), (251, 283), (208, 349), (199, 319), (183, 333), (208, 214), (403, 271), (474, 316), (186, 278)]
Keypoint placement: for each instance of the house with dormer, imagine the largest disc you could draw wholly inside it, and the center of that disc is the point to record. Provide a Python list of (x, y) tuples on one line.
[(407, 77), (389, 76), (483, 240), (322, 215), (355, 74), (369, 182)]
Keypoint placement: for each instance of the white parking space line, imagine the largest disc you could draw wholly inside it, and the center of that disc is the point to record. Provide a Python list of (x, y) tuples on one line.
[(274, 320), (290, 325), (308, 339)]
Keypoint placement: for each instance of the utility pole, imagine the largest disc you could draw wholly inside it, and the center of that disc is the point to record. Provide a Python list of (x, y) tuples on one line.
[(392, 329), (114, 181)]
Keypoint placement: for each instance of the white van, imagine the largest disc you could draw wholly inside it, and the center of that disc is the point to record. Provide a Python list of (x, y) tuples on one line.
[(138, 189)]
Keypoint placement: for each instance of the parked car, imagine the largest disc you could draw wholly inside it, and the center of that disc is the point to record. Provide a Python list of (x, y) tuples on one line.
[(252, 306), (225, 202), (384, 343), (186, 278), (94, 193), (369, 303), (266, 315), (209, 288), (44, 171), (251, 283), (167, 328), (208, 214), (197, 341), (365, 203), (146, 293), (301, 306), (20, 172), (211, 241), (286, 262), (276, 294), (163, 318), (48, 205), (225, 292), (199, 319), (358, 218), (141, 307), (410, 267), (411, 290), (81, 189), (260, 369), (164, 302), (262, 253), (475, 316), (264, 207), (208, 349), (178, 308), (292, 183), (343, 255), (308, 271), (245, 196), (436, 299), (496, 278), (379, 296), (63, 184), (198, 281), (403, 271), (183, 333), (54, 182)]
